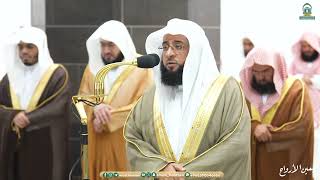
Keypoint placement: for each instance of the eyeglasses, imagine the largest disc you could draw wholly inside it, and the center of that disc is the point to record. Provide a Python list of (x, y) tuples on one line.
[(175, 47)]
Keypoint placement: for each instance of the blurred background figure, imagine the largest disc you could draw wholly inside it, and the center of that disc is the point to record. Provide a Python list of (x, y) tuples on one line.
[(111, 43), (233, 68), (281, 131), (247, 46), (35, 108), (306, 65)]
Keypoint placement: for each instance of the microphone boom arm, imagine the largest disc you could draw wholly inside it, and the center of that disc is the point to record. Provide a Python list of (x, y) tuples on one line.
[(97, 98), (92, 100), (99, 79)]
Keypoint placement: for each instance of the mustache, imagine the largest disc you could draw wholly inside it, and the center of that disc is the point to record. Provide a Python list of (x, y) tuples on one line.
[(172, 61), (25, 54), (28, 63), (263, 88), (119, 58), (170, 78), (107, 54)]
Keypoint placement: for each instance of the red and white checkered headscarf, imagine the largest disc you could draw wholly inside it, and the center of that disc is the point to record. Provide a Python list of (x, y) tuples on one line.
[(263, 56), (298, 65)]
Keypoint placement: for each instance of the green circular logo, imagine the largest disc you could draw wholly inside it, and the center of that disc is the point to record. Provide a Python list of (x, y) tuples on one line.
[(110, 175), (105, 174), (187, 174), (154, 174), (143, 174)]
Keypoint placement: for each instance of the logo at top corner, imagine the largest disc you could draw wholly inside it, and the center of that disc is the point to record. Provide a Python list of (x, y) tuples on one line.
[(307, 12)]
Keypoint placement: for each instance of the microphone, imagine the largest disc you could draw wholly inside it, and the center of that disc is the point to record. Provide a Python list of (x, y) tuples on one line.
[(145, 61), (148, 61)]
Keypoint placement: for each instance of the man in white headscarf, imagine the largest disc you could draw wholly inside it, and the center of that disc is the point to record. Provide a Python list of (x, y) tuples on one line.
[(34, 108), (111, 43), (193, 119)]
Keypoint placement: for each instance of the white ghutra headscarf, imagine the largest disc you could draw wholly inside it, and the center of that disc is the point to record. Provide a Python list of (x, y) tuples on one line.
[(24, 79), (117, 33), (179, 107)]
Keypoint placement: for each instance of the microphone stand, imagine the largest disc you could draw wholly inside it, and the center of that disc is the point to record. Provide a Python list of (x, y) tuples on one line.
[(92, 100)]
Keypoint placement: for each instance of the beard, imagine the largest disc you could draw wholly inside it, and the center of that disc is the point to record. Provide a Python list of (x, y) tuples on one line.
[(246, 52), (30, 63), (119, 58), (171, 78), (307, 58), (263, 88)]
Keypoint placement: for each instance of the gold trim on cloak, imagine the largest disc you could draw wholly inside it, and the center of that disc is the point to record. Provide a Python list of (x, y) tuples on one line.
[(198, 127), (37, 92), (267, 119), (161, 135), (300, 112), (135, 144), (114, 89), (117, 84), (33, 104), (226, 137), (14, 99)]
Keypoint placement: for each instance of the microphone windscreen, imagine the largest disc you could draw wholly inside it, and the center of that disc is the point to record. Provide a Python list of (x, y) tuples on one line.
[(148, 61)]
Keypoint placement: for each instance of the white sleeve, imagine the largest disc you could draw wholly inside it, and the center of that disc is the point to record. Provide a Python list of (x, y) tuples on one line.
[(299, 76), (316, 81)]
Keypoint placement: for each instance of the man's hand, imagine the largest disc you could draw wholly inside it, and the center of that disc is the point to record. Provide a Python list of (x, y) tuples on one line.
[(307, 80), (21, 120), (178, 167), (102, 113), (97, 126), (262, 132), (169, 167), (173, 167)]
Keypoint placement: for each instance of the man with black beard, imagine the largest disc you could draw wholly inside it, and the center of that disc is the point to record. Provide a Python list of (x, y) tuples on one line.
[(34, 110), (194, 117), (281, 122), (124, 85), (306, 65), (263, 86), (171, 78)]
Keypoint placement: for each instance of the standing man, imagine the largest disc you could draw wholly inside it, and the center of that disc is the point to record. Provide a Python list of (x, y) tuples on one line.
[(281, 118), (34, 108), (111, 43), (306, 65), (193, 119)]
